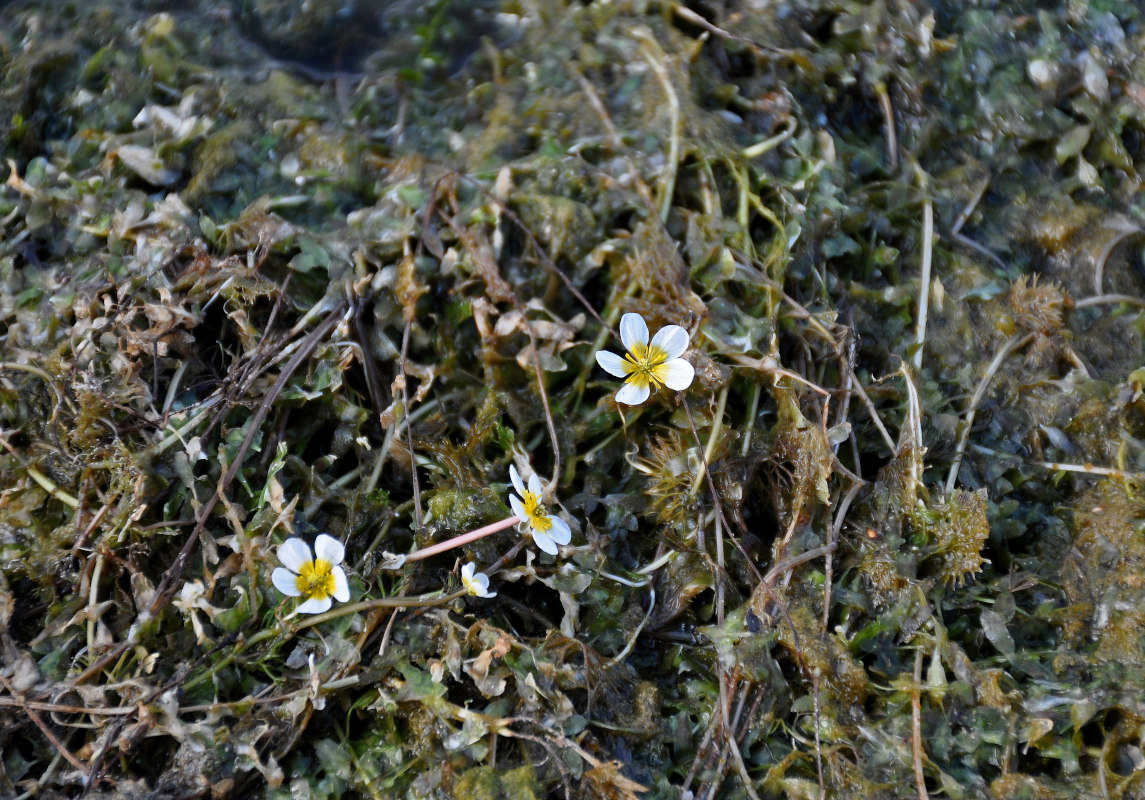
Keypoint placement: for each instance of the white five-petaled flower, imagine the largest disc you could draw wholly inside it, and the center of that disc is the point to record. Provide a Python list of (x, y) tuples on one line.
[(315, 579), (547, 530), (648, 364), (476, 583)]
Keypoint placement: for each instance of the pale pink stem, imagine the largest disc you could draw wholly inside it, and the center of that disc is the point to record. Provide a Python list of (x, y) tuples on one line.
[(465, 538)]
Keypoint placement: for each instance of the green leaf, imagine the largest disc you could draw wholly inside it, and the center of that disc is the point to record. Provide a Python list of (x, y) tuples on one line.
[(312, 256), (840, 245)]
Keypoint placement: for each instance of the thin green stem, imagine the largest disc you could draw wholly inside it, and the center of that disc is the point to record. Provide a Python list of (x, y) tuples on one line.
[(713, 438)]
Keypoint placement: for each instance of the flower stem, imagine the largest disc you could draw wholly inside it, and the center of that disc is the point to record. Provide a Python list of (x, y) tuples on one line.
[(464, 538)]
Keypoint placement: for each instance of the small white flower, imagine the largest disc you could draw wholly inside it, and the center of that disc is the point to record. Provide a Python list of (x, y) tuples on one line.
[(547, 530), (646, 365), (476, 583), (316, 579), (193, 598)]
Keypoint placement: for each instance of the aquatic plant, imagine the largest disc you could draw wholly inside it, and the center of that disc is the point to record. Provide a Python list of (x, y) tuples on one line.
[(317, 579), (548, 530), (476, 583), (887, 545), (648, 364)]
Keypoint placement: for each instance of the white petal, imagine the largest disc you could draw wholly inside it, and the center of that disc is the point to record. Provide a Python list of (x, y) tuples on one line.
[(329, 549), (672, 339), (560, 532), (633, 330), (479, 587), (515, 477), (518, 508), (315, 605), (293, 553), (632, 394), (544, 541), (192, 592), (612, 363), (285, 581), (535, 484), (341, 588), (676, 374), (467, 571)]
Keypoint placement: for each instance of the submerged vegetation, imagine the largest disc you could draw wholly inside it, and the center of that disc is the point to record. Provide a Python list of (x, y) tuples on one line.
[(279, 275)]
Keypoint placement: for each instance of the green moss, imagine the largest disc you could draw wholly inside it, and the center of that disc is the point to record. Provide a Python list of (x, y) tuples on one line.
[(461, 510), (360, 204), (956, 531), (214, 158), (489, 783)]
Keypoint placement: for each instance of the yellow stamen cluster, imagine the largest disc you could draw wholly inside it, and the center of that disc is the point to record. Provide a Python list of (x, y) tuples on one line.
[(316, 579), (645, 364), (538, 518)]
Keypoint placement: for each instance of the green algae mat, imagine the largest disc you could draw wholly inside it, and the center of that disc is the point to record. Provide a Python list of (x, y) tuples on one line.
[(529, 399)]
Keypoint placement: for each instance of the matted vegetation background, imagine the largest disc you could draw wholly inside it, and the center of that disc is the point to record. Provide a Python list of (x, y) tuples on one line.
[(273, 269)]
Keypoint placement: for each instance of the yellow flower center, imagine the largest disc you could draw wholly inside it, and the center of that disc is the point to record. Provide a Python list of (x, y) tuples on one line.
[(537, 518), (645, 364), (316, 579), (472, 586)]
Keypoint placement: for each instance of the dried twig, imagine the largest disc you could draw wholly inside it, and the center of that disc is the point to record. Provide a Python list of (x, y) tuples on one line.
[(963, 215), (1099, 299), (713, 440), (373, 382), (1123, 230), (832, 542), (623, 654), (656, 59), (916, 726), (409, 428), (924, 274), (27, 708), (597, 105), (889, 126), (1058, 466), (816, 675), (1015, 342), (730, 739)]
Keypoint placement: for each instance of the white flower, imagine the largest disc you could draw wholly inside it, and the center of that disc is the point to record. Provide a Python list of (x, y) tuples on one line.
[(646, 365), (476, 583), (192, 598), (547, 530), (317, 579)]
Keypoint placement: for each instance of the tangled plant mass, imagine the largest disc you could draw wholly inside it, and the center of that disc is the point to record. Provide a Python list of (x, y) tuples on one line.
[(238, 307), (648, 364), (657, 363)]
